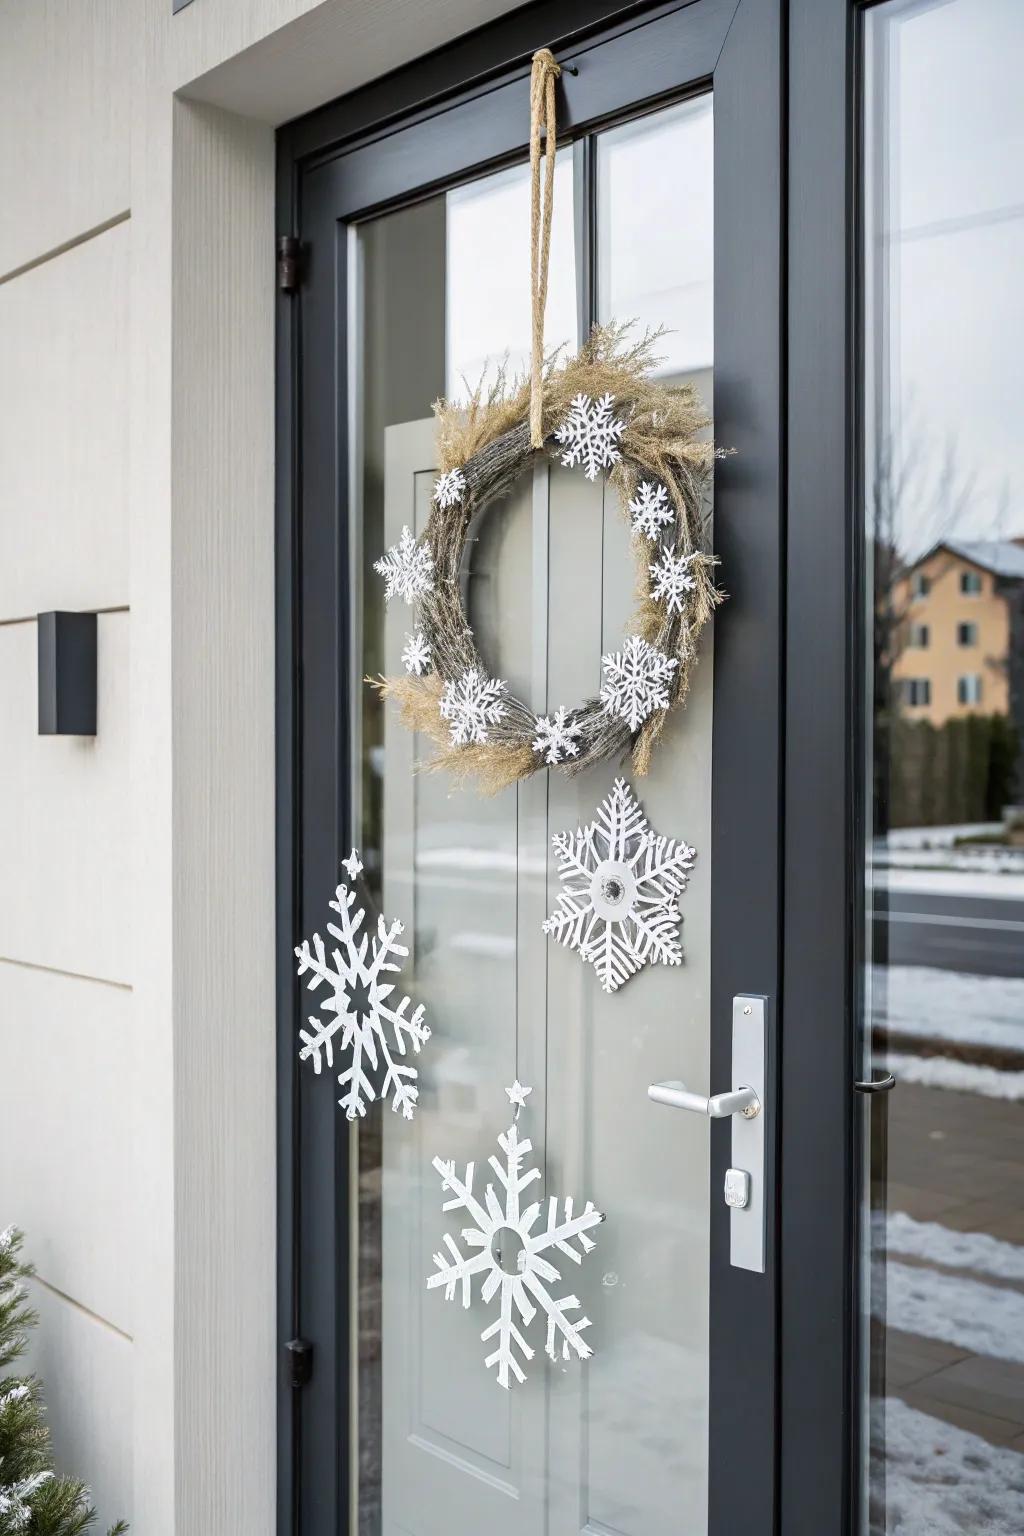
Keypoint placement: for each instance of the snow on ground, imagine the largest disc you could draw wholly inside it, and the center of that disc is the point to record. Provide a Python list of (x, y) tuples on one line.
[(961, 1076), (952, 882), (981, 1319), (936, 837), (933, 1004), (943, 1481), (936, 1244), (994, 857)]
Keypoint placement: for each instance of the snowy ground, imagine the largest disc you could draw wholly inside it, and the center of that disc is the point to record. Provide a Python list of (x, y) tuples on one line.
[(927, 859), (943, 1481), (950, 1005), (939, 1479)]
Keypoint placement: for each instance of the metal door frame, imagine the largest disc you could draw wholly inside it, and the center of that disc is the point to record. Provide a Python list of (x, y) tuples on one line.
[(781, 1439)]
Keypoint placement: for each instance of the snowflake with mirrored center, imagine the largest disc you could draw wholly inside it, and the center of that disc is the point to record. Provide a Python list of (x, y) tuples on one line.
[(617, 907), (515, 1257)]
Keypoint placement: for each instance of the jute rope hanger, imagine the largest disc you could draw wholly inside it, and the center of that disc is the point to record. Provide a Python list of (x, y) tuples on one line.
[(543, 74)]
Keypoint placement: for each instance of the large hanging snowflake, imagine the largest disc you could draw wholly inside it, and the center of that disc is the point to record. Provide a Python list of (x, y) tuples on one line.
[(448, 488), (471, 705), (672, 580), (636, 681), (590, 435), (416, 653), (556, 738), (407, 568), (620, 880), (650, 509), (363, 1010), (514, 1250)]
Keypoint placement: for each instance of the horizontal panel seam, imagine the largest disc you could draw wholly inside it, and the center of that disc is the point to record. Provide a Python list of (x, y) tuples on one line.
[(95, 1317), (30, 618), (65, 246), (55, 970)]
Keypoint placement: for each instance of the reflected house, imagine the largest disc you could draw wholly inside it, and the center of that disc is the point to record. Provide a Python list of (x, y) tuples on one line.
[(962, 608), (954, 623)]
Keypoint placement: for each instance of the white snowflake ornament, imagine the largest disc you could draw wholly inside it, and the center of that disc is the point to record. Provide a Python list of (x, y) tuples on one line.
[(556, 738), (416, 654), (636, 682), (672, 580), (449, 488), (515, 1251), (407, 568), (650, 509), (471, 705), (590, 435), (617, 906), (364, 1009), (353, 865)]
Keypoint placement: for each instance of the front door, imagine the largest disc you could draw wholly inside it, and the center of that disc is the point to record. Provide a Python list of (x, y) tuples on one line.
[(415, 285)]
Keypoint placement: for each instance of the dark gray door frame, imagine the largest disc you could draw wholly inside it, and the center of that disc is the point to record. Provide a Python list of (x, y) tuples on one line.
[(784, 921)]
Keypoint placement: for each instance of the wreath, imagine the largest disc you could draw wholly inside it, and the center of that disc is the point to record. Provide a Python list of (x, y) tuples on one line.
[(600, 411)]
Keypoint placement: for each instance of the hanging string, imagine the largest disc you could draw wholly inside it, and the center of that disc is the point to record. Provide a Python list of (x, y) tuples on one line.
[(543, 75)]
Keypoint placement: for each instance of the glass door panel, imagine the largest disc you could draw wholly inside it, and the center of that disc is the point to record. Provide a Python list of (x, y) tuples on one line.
[(944, 979), (620, 1443)]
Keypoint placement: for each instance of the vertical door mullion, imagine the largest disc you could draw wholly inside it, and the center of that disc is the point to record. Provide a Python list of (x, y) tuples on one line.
[(584, 187)]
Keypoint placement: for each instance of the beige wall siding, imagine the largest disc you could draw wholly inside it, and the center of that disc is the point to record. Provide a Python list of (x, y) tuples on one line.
[(63, 826), (65, 108), (66, 1114), (65, 928), (64, 431)]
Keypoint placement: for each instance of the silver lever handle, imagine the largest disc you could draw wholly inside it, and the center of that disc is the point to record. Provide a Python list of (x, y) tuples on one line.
[(740, 1101)]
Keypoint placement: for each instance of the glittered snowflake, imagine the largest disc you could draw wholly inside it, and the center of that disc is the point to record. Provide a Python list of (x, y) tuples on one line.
[(636, 681), (555, 738), (590, 435), (515, 1250), (471, 705), (617, 906), (650, 509), (672, 580), (374, 1024), (449, 488), (416, 653), (407, 568)]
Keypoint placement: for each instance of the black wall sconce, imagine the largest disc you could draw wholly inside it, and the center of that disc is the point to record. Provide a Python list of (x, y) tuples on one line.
[(67, 674)]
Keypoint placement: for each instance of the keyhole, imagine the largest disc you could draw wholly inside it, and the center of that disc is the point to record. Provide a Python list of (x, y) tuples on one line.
[(508, 1250), (357, 999)]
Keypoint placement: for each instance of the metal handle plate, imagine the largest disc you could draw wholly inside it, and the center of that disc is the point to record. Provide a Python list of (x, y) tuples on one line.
[(744, 1106)]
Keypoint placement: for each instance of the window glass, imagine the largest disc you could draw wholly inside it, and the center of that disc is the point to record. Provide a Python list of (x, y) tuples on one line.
[(487, 275), (943, 1268), (656, 251)]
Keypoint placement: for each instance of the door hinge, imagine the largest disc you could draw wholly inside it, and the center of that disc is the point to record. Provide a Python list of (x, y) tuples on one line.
[(288, 253), (298, 1354)]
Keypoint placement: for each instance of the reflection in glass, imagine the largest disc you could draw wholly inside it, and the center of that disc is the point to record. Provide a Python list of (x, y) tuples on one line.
[(655, 200), (944, 978), (488, 275)]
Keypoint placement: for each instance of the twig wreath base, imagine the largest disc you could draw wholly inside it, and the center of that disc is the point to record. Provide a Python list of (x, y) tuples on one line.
[(657, 439)]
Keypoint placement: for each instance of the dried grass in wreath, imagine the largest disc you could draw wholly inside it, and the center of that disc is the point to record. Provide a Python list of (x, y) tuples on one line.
[(664, 440)]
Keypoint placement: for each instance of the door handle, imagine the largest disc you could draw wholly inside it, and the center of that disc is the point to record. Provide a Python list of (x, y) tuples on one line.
[(746, 1106), (741, 1101)]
